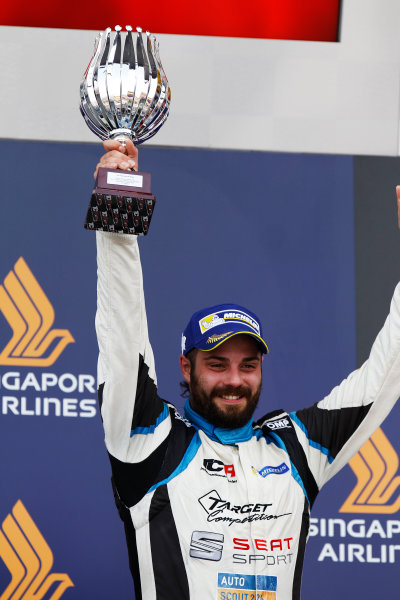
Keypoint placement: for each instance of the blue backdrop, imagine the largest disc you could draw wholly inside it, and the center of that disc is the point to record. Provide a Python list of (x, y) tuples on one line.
[(273, 232)]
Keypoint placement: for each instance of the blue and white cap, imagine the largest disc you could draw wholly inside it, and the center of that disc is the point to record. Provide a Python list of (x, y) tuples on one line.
[(212, 326)]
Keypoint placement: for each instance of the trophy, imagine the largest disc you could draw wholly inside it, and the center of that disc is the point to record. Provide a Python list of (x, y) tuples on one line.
[(124, 95)]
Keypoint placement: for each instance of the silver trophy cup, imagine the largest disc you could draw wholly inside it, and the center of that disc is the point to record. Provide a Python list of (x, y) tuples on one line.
[(124, 95)]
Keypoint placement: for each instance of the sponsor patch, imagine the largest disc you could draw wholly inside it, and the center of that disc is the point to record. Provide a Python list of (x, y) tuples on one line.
[(223, 511), (217, 337), (179, 416), (279, 424), (269, 470), (210, 321), (241, 316), (216, 468), (223, 316), (207, 545), (246, 587)]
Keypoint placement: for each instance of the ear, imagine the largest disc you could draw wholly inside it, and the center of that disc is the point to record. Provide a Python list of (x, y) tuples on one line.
[(185, 367)]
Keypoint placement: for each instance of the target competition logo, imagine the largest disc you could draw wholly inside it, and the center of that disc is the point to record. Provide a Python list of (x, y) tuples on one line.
[(29, 559), (30, 315)]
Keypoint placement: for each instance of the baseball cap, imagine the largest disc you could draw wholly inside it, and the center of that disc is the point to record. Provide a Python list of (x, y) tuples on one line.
[(212, 326)]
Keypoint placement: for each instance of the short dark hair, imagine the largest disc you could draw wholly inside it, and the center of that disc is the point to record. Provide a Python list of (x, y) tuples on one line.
[(185, 388)]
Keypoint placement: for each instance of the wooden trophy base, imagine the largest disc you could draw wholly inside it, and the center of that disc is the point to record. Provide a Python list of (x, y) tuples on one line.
[(121, 202)]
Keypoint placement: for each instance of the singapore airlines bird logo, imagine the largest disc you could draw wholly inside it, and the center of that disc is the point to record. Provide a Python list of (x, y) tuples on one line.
[(29, 560), (378, 484), (30, 315)]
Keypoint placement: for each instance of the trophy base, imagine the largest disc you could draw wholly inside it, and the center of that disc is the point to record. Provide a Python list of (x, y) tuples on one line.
[(121, 202)]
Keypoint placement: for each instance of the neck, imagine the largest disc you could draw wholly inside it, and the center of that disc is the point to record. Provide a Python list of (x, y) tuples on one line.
[(224, 435)]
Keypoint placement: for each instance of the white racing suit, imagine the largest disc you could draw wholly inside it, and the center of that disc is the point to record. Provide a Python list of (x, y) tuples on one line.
[(212, 513)]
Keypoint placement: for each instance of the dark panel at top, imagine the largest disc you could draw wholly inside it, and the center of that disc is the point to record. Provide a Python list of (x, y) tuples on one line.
[(377, 244)]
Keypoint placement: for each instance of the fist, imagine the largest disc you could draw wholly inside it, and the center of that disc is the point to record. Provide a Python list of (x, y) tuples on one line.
[(118, 156)]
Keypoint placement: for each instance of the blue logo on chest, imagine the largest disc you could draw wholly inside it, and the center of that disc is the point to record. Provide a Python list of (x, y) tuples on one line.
[(279, 470)]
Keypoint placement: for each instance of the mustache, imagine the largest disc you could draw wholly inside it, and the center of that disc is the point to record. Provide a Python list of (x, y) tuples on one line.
[(230, 390)]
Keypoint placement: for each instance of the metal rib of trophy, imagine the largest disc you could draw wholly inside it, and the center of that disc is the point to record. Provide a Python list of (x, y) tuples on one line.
[(124, 94)]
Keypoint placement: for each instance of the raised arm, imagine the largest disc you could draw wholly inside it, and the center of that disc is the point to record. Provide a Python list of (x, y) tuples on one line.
[(333, 430), (136, 421)]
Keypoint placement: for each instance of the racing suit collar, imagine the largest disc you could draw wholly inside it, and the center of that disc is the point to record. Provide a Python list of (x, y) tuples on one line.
[(223, 435)]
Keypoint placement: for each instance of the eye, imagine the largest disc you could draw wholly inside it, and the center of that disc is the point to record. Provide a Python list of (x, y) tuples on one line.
[(249, 366), (216, 365)]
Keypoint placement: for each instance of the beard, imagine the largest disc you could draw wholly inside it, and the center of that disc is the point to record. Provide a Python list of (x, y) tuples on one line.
[(230, 416)]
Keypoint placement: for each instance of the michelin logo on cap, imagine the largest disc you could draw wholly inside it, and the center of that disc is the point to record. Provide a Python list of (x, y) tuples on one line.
[(222, 317)]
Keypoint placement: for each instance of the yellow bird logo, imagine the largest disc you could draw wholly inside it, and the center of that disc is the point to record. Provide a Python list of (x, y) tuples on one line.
[(29, 559), (30, 315)]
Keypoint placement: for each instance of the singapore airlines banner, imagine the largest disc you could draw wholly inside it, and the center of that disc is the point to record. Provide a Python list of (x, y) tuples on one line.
[(309, 242)]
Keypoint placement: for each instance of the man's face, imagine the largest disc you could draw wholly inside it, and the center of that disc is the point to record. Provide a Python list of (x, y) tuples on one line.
[(225, 383)]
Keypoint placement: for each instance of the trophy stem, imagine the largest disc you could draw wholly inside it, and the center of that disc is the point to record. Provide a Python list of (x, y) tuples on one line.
[(122, 135)]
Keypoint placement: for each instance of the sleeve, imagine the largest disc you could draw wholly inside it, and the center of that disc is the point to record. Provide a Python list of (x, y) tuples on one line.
[(335, 428), (136, 420)]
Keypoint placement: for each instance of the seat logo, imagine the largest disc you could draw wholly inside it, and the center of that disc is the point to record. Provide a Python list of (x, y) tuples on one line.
[(207, 545), (29, 559), (30, 315), (378, 486)]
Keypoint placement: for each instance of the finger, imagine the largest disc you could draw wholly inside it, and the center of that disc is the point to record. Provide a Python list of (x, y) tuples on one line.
[(133, 154), (122, 163), (106, 164), (127, 148), (117, 162), (398, 204), (130, 150), (113, 155), (112, 145)]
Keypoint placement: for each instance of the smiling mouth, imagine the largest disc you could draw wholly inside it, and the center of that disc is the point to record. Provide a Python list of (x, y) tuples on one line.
[(230, 399)]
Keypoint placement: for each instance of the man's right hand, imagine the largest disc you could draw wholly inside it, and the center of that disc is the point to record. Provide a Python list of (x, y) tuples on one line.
[(118, 156)]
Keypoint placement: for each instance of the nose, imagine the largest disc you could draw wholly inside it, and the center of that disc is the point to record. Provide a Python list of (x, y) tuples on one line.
[(233, 377)]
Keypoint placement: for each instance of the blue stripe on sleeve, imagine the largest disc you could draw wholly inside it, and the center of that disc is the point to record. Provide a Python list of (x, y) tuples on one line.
[(151, 428), (313, 444)]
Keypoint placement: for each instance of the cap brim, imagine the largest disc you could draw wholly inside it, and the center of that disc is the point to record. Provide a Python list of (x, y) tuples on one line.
[(206, 347)]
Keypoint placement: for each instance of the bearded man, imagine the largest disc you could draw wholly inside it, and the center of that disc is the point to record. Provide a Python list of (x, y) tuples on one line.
[(214, 505)]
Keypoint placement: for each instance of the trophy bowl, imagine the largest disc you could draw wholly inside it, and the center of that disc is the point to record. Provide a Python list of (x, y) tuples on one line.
[(124, 95)]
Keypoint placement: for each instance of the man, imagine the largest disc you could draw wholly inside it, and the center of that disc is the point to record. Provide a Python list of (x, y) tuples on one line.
[(213, 505)]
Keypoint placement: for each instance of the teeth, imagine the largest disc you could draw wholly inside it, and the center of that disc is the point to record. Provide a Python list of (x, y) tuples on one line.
[(231, 397)]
